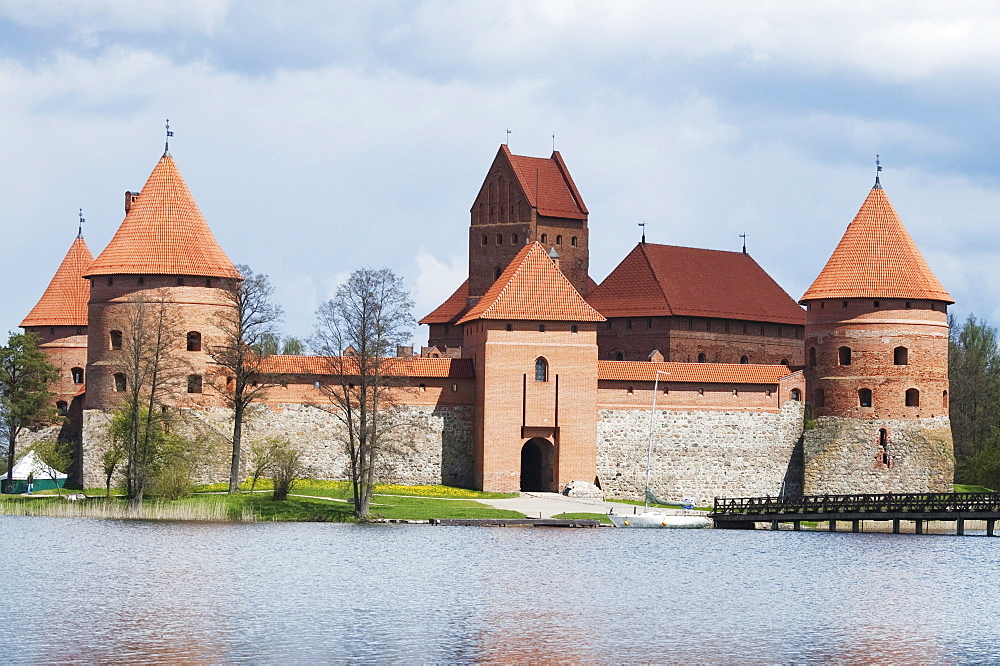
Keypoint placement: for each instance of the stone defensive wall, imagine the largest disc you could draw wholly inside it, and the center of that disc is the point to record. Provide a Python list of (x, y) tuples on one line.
[(719, 430)]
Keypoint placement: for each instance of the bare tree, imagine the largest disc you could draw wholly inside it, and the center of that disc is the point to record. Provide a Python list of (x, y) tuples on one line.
[(151, 370), (25, 375), (248, 325), (370, 316)]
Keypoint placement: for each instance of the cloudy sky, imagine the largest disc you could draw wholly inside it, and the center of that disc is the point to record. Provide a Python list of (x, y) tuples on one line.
[(320, 137)]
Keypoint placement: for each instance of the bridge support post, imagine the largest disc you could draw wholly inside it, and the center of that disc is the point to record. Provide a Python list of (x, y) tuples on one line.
[(797, 525), (918, 526), (895, 525), (774, 525), (990, 525), (855, 525), (833, 525), (960, 531)]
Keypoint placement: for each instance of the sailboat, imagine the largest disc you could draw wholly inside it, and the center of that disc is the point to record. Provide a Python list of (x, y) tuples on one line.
[(657, 518)]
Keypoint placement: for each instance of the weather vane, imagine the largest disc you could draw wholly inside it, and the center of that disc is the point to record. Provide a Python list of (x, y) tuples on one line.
[(553, 142), (166, 143), (643, 225), (878, 168), (507, 140), (744, 237), (79, 229)]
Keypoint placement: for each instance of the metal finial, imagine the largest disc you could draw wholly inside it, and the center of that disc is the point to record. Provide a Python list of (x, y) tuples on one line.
[(506, 141), (878, 168), (79, 229), (166, 143), (744, 237), (643, 225), (553, 142)]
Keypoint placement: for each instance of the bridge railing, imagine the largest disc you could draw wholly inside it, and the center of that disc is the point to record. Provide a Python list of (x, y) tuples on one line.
[(868, 503)]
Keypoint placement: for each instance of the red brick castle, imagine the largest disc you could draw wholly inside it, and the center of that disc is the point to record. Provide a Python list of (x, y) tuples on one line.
[(537, 378)]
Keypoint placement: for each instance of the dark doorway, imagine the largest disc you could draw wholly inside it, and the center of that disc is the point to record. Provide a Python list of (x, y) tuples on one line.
[(536, 465)]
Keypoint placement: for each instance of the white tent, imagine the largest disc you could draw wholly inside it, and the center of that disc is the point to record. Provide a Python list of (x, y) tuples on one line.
[(30, 463)]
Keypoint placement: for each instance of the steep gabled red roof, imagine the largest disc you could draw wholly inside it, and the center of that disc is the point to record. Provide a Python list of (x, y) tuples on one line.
[(441, 368), (547, 185), (453, 308), (722, 373), (876, 258), (64, 302), (164, 233), (665, 280), (532, 288)]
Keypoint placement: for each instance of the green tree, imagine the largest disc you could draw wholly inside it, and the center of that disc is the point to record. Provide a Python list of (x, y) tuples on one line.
[(974, 375), (248, 325), (369, 314), (292, 347), (56, 458), (25, 400)]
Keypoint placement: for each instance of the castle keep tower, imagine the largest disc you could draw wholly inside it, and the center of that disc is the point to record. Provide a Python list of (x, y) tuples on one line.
[(60, 320), (163, 251), (533, 342), (876, 372)]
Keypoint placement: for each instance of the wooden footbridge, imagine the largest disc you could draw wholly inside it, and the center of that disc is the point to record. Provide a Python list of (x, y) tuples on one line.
[(744, 512)]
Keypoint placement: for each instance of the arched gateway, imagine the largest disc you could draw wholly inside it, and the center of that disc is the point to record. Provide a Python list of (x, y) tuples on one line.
[(537, 465)]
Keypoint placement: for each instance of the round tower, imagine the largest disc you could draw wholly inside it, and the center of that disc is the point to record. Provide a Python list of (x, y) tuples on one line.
[(163, 255), (876, 344)]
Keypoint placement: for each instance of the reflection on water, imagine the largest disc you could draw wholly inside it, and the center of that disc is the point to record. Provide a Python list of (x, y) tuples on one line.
[(91, 591)]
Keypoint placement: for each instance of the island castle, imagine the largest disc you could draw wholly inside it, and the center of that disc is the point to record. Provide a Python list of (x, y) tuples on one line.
[(537, 378)]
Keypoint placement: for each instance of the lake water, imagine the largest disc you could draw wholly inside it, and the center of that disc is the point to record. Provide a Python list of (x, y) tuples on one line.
[(90, 591)]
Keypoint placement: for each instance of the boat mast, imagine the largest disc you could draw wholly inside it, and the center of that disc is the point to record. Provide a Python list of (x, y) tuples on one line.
[(649, 450)]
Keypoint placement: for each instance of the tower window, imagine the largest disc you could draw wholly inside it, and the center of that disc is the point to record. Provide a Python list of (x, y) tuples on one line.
[(944, 399), (62, 407), (784, 361), (180, 282), (845, 304), (907, 305), (844, 355), (510, 327), (541, 370), (619, 356), (541, 328), (193, 341), (79, 331), (744, 359), (497, 272), (864, 397), (796, 394), (140, 280), (574, 329), (628, 324), (499, 239), (513, 239), (559, 240), (486, 239), (649, 323), (875, 304), (572, 241), (77, 374), (900, 356), (116, 339), (545, 238), (194, 383), (120, 383), (912, 397), (701, 357)]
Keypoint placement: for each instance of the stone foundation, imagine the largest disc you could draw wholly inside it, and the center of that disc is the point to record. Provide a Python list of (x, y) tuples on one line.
[(701, 455), (430, 445), (845, 456)]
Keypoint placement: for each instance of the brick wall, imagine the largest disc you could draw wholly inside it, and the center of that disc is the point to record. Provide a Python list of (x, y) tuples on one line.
[(66, 348)]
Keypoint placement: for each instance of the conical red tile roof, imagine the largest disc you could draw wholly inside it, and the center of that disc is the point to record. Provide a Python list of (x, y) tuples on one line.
[(64, 302), (532, 288), (876, 258), (164, 233)]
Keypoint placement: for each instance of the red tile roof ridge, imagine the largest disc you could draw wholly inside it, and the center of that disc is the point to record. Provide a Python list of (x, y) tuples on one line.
[(414, 366), (532, 288), (64, 301), (546, 184), (718, 373), (164, 233), (876, 258)]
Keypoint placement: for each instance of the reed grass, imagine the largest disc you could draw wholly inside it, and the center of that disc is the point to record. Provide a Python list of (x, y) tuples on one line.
[(214, 511)]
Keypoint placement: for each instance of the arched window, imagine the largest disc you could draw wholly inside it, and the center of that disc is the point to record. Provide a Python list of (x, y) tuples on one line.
[(194, 383), (900, 356), (513, 239), (77, 374), (120, 383), (116, 339), (796, 394), (193, 341), (864, 397), (545, 238), (844, 355), (820, 398), (944, 399), (496, 273), (912, 397), (744, 359), (559, 240), (812, 357), (619, 356), (701, 357), (62, 407), (784, 361), (541, 370)]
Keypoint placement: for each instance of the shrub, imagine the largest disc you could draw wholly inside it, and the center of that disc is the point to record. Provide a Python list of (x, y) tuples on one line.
[(286, 467)]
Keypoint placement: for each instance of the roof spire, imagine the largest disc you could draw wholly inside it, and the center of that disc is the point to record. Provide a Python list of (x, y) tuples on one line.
[(744, 237), (553, 142), (643, 225), (166, 142), (506, 141), (878, 168), (79, 229)]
